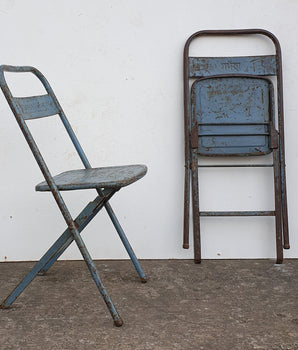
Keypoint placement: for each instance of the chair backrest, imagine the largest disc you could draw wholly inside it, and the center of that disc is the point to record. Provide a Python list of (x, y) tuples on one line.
[(33, 107), (230, 105)]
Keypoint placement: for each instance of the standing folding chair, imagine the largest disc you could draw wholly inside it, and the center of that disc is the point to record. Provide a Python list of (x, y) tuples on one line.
[(229, 111), (106, 181)]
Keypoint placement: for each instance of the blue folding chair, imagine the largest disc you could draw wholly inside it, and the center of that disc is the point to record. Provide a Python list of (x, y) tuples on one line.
[(106, 181), (229, 111)]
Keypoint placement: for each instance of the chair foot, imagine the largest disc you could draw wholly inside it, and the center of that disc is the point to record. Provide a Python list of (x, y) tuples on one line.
[(185, 246), (4, 307), (143, 279), (118, 322), (286, 246), (197, 261)]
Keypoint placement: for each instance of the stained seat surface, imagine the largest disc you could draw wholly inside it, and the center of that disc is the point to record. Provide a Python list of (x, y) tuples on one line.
[(107, 177)]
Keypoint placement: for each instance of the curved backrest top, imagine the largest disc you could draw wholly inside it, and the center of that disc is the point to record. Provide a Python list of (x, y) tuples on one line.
[(233, 32), (267, 65), (34, 107), (23, 69)]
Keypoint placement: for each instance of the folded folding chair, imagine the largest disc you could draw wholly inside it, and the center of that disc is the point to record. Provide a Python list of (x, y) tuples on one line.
[(106, 181), (229, 111)]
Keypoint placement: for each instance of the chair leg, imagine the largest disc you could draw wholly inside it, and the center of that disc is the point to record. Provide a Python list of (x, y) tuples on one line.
[(82, 220), (124, 240), (285, 223), (55, 250), (35, 270), (126, 243), (278, 207), (95, 275), (186, 208), (196, 211)]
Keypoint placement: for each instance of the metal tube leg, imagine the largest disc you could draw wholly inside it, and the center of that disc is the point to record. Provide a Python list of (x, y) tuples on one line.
[(278, 208), (124, 240), (90, 264), (286, 241), (196, 211), (34, 271), (55, 257), (186, 208), (126, 243), (285, 221), (82, 220)]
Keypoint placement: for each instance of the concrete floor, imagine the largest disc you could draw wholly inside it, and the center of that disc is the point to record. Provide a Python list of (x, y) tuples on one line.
[(218, 305)]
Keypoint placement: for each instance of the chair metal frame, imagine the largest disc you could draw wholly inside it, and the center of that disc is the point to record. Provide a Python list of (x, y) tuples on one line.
[(43, 106), (217, 67)]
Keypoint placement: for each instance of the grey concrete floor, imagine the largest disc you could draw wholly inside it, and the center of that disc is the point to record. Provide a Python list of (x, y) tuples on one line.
[(218, 305)]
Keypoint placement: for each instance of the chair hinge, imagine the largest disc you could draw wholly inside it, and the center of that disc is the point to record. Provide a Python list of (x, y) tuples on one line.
[(273, 137)]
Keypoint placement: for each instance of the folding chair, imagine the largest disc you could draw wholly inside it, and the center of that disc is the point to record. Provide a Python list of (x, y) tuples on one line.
[(229, 107), (106, 181)]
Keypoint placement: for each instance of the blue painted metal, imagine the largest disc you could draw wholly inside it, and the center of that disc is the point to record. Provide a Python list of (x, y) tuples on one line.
[(233, 115), (60, 245), (229, 111), (108, 177), (83, 219), (106, 181), (252, 65), (35, 107), (90, 264), (107, 205), (125, 242)]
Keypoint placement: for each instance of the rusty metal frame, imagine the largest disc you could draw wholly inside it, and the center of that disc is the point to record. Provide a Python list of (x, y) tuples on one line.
[(191, 157), (74, 226)]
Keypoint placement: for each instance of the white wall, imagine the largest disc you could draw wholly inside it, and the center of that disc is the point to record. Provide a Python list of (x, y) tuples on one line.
[(116, 67)]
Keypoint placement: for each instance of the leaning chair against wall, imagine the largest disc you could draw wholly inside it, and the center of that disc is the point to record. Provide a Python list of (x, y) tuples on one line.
[(105, 181), (229, 111)]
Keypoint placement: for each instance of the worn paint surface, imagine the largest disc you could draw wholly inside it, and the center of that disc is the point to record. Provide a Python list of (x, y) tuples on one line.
[(253, 65), (36, 106), (106, 182), (233, 115), (229, 111), (108, 177)]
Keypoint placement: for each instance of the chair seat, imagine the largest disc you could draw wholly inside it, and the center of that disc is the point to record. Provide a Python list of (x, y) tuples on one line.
[(108, 177)]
